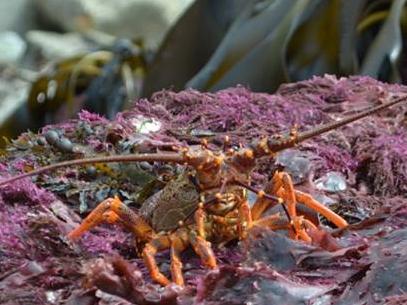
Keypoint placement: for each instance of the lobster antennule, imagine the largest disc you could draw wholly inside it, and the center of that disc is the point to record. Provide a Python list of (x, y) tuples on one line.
[(163, 157), (278, 143)]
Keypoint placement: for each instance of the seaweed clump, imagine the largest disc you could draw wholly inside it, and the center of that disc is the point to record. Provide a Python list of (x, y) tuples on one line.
[(40, 266)]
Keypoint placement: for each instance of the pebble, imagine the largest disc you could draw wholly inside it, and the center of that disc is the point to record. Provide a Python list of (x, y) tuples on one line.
[(331, 182), (51, 136), (64, 145)]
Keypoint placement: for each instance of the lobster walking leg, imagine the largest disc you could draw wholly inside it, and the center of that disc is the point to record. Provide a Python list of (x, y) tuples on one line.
[(287, 192), (177, 246), (150, 250), (273, 222), (99, 215), (310, 202), (245, 219), (200, 220), (263, 203), (281, 185), (203, 249)]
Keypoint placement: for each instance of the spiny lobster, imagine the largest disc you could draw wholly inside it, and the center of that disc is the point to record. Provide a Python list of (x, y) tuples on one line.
[(212, 189)]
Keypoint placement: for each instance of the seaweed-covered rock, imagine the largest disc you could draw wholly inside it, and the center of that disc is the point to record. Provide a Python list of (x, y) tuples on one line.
[(357, 265)]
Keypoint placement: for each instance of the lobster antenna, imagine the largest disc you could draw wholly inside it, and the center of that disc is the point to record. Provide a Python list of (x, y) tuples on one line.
[(276, 144), (333, 125), (164, 157)]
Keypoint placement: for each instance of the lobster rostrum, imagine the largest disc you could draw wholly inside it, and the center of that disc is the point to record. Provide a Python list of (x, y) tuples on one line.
[(207, 202)]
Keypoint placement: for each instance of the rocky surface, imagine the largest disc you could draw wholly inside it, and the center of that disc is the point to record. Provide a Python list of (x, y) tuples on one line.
[(361, 167)]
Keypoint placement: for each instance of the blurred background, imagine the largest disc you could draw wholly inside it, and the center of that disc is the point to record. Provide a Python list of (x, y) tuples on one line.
[(60, 56)]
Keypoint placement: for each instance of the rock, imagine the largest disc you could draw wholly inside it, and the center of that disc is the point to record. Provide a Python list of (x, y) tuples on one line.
[(144, 19), (12, 47), (146, 125), (331, 182), (295, 163), (54, 46)]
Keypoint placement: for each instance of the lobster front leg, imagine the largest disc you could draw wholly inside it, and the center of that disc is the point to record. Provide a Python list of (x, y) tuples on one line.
[(99, 215), (113, 210)]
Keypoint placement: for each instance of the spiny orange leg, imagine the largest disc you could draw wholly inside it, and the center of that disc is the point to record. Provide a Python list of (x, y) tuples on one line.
[(310, 202), (176, 242), (204, 249), (225, 221), (245, 219), (262, 202), (200, 220), (291, 196), (274, 222), (99, 215), (177, 246), (286, 191), (159, 243), (112, 210)]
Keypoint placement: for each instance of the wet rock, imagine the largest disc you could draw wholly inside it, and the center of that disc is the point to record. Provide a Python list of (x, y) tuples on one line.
[(274, 249), (146, 125), (331, 182), (295, 163), (259, 285), (51, 136), (64, 145), (383, 277)]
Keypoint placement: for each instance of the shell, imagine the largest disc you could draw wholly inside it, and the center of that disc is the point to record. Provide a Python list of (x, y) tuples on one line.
[(174, 203)]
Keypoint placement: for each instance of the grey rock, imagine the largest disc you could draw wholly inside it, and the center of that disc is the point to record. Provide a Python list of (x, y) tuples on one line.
[(331, 182), (295, 163)]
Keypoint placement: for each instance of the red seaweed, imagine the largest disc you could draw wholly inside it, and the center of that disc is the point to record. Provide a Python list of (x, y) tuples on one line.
[(358, 265)]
